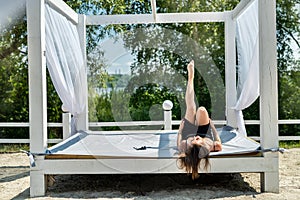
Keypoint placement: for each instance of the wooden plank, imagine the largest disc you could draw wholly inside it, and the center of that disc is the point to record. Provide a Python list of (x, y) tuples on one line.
[(140, 123), (119, 19), (280, 138), (66, 125), (289, 121), (25, 141), (160, 18), (14, 141), (191, 17), (54, 124), (82, 118), (55, 141), (37, 183), (268, 90), (131, 123), (153, 8), (14, 124), (75, 156), (37, 88), (37, 75), (134, 123), (268, 74), (230, 71), (137, 166)]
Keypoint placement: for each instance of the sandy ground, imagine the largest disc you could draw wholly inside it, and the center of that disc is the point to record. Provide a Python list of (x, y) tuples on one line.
[(14, 183)]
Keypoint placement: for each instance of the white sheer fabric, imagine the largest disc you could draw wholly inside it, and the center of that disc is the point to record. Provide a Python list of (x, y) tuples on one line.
[(65, 61), (248, 62)]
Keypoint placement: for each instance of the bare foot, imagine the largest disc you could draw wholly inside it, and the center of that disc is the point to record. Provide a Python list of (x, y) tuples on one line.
[(190, 69)]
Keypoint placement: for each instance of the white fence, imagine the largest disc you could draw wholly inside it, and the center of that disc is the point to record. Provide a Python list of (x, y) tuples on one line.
[(131, 123)]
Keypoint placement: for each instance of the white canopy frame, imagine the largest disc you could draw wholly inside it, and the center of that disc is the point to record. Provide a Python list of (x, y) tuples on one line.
[(267, 165)]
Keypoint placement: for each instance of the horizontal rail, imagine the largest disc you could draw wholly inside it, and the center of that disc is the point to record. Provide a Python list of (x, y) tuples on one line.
[(139, 123), (280, 122), (26, 124), (159, 18), (14, 124), (55, 141), (26, 141), (130, 123), (280, 138), (135, 123)]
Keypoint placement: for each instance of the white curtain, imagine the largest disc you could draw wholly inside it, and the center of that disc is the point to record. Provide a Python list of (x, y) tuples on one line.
[(248, 62), (65, 61)]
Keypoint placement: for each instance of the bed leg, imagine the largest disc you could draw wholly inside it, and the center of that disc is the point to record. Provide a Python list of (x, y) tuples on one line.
[(38, 183), (269, 182)]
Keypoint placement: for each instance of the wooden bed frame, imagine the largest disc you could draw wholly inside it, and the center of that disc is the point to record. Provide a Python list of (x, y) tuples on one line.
[(267, 165)]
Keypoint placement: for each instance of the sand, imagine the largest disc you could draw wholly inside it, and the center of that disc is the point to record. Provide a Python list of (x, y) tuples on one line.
[(14, 183)]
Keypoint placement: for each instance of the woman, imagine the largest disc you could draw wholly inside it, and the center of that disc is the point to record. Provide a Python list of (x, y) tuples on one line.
[(197, 136)]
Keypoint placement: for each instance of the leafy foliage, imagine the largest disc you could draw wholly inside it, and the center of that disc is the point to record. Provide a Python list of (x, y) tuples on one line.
[(153, 77), (146, 103)]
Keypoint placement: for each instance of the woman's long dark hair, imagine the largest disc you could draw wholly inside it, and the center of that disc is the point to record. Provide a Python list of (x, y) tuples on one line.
[(190, 162)]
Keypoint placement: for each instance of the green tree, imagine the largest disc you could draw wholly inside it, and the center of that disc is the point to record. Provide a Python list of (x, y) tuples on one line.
[(146, 102), (13, 59), (208, 35), (14, 78), (14, 82)]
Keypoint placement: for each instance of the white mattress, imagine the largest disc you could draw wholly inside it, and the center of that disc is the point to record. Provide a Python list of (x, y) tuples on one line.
[(158, 144)]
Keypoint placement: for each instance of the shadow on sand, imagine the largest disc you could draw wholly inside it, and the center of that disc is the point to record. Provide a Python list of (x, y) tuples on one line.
[(12, 173), (146, 185)]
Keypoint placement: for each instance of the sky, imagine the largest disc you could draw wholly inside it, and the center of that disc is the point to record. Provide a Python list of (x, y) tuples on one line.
[(10, 11), (119, 59)]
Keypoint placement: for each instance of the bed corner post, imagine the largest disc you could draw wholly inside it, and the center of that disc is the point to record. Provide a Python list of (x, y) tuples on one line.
[(230, 70), (82, 123), (268, 92), (37, 91)]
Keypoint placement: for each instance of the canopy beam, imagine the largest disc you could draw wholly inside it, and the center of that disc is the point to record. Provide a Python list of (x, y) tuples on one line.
[(64, 9), (160, 18)]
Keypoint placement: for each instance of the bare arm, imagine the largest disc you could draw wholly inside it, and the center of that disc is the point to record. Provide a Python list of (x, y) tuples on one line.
[(179, 136), (215, 132), (217, 142)]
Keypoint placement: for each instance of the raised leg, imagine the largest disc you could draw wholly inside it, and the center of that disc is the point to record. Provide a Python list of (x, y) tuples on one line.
[(189, 94), (202, 117)]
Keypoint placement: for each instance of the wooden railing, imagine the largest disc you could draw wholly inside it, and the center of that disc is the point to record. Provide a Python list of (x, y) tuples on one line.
[(167, 124), (132, 123)]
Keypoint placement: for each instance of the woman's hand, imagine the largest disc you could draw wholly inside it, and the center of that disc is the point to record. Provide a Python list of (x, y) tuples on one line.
[(217, 146)]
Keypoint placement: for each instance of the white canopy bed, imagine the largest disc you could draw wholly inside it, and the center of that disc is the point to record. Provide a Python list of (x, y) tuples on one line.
[(68, 73)]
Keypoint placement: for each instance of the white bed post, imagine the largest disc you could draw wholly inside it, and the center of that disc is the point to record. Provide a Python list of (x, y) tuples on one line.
[(167, 106), (66, 121), (230, 71), (37, 90), (82, 122), (268, 91)]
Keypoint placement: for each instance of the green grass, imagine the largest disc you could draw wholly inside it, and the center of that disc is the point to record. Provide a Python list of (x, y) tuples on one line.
[(13, 148), (289, 144)]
